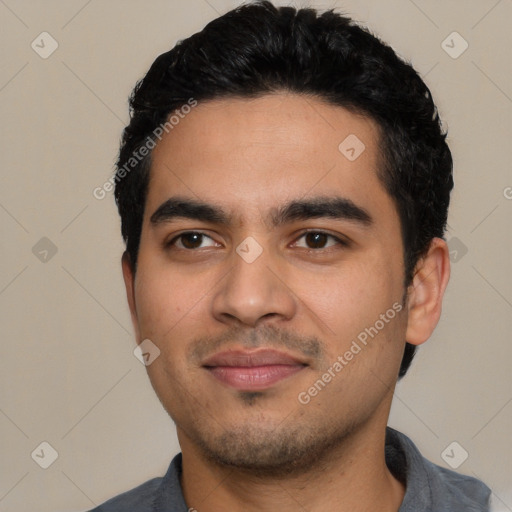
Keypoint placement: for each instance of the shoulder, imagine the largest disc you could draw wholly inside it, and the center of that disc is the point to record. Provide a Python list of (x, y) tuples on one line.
[(456, 489), (432, 486), (163, 494), (139, 498)]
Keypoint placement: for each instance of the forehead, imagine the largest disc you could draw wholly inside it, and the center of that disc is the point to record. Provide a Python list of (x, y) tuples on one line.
[(250, 155)]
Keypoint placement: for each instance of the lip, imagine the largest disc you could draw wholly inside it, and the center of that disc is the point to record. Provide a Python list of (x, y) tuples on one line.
[(252, 371)]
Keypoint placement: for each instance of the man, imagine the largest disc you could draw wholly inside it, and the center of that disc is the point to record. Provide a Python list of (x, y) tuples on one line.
[(283, 187)]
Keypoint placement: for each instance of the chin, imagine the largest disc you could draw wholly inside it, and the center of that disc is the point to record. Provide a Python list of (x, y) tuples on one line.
[(277, 448)]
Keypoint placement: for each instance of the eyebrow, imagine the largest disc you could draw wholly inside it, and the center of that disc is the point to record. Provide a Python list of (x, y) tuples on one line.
[(338, 208)]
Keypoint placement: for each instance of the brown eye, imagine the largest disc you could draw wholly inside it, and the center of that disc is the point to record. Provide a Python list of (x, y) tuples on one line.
[(316, 240), (190, 240), (319, 239)]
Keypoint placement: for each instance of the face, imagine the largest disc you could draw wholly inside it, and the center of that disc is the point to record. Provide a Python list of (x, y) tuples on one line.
[(270, 277)]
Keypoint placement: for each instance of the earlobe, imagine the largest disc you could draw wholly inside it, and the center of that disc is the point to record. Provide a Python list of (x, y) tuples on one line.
[(426, 292), (129, 283)]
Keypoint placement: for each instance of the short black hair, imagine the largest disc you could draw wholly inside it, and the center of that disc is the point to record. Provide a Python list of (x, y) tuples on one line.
[(258, 49)]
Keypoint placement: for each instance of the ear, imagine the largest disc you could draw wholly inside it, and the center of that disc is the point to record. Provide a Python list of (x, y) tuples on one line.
[(425, 294), (129, 283)]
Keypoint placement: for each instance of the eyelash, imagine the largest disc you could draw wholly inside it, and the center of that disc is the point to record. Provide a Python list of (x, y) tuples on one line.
[(340, 242)]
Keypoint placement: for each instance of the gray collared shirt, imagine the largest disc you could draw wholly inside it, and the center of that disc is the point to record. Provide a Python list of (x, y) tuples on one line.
[(429, 488)]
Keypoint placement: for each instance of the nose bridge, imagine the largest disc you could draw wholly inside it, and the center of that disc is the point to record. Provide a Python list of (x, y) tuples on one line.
[(252, 288)]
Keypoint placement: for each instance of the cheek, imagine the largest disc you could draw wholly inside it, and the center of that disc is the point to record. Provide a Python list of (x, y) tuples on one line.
[(166, 300), (351, 299)]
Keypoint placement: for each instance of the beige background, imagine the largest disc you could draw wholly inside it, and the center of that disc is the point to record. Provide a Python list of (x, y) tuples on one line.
[(68, 373)]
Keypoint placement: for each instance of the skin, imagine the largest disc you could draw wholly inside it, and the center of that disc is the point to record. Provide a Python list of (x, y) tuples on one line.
[(250, 157)]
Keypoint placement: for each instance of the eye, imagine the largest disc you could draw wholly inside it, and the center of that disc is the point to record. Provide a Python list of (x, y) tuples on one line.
[(190, 240), (314, 241), (317, 240)]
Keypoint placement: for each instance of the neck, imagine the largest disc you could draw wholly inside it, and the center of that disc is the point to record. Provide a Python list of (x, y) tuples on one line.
[(353, 477)]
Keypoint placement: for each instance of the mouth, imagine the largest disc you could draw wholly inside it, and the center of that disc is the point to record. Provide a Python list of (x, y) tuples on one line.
[(252, 371)]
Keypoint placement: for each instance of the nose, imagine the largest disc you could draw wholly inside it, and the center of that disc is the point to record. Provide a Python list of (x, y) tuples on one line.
[(252, 291)]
